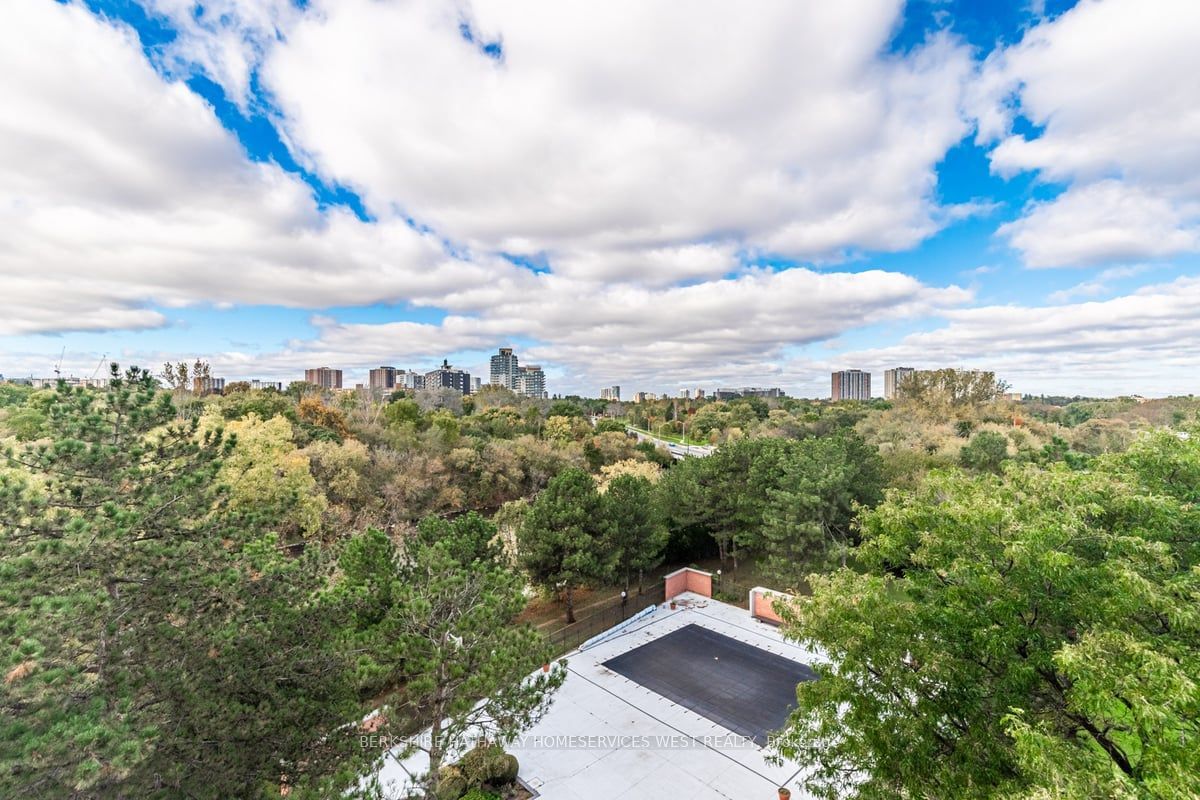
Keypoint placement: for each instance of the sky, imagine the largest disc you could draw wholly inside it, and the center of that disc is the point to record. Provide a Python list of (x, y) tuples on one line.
[(653, 194)]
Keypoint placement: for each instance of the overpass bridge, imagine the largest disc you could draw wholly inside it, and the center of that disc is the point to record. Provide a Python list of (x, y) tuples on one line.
[(677, 451)]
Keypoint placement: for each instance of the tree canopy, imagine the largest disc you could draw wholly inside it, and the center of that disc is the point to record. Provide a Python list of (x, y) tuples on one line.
[(561, 540), (1034, 634), (154, 625)]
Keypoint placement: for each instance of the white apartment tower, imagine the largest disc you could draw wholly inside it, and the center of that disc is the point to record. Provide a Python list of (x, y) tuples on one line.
[(505, 369), (531, 381)]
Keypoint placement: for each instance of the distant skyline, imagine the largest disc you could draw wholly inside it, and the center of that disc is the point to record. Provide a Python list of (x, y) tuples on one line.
[(627, 193)]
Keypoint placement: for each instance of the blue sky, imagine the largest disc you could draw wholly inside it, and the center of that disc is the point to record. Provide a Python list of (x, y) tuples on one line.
[(749, 196)]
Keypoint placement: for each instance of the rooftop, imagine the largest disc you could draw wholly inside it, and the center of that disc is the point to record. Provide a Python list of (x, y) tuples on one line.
[(675, 703)]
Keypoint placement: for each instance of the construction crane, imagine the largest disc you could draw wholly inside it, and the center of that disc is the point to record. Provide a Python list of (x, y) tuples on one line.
[(58, 366), (96, 371)]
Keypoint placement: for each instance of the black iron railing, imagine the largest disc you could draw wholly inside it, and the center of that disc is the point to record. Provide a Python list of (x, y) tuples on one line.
[(565, 638)]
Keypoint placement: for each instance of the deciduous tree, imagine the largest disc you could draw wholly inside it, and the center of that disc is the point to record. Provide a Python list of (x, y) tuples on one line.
[(1033, 635)]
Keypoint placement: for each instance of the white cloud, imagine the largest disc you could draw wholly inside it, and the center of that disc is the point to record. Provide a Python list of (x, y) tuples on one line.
[(225, 39), (735, 329), (640, 151), (1108, 84), (1097, 285), (119, 190), (1101, 222), (616, 127), (1147, 341)]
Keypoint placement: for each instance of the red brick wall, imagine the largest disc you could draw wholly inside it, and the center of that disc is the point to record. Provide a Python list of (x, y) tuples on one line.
[(763, 604), (676, 583), (689, 580), (699, 582)]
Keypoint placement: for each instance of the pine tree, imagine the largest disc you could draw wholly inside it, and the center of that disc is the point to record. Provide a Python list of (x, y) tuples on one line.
[(163, 645), (561, 542), (637, 533), (466, 664)]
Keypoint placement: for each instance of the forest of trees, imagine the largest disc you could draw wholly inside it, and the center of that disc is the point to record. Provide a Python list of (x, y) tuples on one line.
[(216, 596)]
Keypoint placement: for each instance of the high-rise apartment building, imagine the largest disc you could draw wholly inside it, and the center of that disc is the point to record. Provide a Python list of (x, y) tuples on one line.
[(611, 393), (382, 379), (892, 380), (531, 381), (448, 377), (851, 384), (324, 377), (528, 381), (204, 385), (476, 385), (409, 379), (505, 370)]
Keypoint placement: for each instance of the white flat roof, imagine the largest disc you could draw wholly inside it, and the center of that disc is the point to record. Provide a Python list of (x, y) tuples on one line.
[(609, 738)]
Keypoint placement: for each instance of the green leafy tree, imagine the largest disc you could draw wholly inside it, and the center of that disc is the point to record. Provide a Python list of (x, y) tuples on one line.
[(468, 538), (161, 644), (610, 426), (810, 491), (466, 663), (403, 411), (986, 452), (265, 474), (637, 533), (566, 408), (718, 494), (561, 541), (1029, 635), (952, 393)]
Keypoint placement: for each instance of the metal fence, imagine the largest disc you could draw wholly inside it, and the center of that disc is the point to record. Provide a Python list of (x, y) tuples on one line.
[(732, 592), (565, 638)]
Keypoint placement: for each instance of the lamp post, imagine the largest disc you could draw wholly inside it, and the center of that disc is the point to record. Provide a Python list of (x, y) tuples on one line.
[(718, 579), (624, 600)]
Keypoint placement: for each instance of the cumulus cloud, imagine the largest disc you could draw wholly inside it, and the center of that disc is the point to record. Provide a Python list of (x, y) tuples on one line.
[(119, 190), (1098, 285), (736, 329), (225, 39), (615, 128), (644, 157), (1146, 341), (1118, 121), (1101, 222)]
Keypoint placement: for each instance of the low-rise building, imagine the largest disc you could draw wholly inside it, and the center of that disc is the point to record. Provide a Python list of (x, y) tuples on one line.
[(69, 380)]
